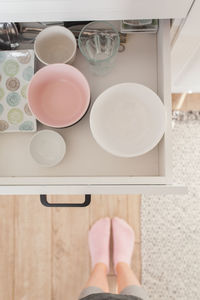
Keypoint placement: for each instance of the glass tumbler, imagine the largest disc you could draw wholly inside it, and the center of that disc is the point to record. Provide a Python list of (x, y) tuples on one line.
[(99, 43)]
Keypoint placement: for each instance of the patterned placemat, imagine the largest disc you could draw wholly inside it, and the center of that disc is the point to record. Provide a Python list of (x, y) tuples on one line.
[(16, 70)]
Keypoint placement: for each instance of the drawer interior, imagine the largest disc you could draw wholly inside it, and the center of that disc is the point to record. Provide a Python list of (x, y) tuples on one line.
[(145, 61)]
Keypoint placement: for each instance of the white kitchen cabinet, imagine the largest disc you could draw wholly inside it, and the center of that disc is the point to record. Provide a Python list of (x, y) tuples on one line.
[(186, 54), (87, 168), (59, 10)]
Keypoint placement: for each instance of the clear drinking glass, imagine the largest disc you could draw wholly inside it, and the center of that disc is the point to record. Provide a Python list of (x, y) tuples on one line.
[(99, 43)]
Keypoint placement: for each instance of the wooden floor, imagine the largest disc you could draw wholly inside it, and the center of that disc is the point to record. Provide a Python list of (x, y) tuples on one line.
[(186, 102), (44, 252)]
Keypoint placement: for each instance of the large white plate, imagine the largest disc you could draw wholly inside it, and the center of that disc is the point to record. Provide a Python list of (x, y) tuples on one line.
[(128, 120)]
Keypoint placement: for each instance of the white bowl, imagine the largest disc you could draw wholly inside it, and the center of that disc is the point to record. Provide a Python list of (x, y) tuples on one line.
[(128, 120), (55, 44), (47, 148)]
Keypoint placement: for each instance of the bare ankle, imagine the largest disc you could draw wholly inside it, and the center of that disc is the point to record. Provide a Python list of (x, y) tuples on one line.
[(122, 265), (101, 267)]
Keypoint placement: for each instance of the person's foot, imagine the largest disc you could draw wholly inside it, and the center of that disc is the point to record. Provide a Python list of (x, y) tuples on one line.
[(99, 242), (123, 241)]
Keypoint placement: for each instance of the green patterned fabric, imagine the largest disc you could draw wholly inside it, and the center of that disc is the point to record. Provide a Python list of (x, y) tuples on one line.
[(16, 71)]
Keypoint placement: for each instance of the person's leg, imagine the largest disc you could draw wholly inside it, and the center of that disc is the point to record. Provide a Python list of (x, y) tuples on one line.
[(97, 283), (98, 277), (128, 283), (123, 242), (125, 276), (99, 238)]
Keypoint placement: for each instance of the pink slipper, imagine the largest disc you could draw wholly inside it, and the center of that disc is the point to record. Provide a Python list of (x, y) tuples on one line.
[(99, 242), (123, 241)]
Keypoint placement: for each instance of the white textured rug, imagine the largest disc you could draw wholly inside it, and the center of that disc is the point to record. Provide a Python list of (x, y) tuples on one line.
[(171, 225)]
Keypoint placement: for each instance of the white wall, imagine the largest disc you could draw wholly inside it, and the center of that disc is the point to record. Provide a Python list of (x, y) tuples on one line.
[(186, 54)]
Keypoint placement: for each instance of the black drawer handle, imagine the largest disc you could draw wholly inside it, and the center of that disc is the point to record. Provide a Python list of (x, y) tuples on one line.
[(43, 200)]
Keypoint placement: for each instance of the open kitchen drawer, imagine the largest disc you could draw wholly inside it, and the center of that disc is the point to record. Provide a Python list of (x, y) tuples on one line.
[(86, 168)]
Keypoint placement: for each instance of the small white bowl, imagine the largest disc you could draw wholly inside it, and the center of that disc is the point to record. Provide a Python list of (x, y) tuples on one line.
[(55, 44), (47, 148)]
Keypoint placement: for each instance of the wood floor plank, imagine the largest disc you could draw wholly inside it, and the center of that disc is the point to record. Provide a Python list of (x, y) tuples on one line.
[(70, 256), (32, 249), (112, 283), (191, 102), (108, 206), (137, 261), (133, 209), (6, 247)]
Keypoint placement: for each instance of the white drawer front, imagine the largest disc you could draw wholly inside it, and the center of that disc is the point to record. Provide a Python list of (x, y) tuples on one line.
[(51, 10), (92, 189)]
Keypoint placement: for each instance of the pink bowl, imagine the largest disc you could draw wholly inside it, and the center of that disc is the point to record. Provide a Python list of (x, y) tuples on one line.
[(58, 95)]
